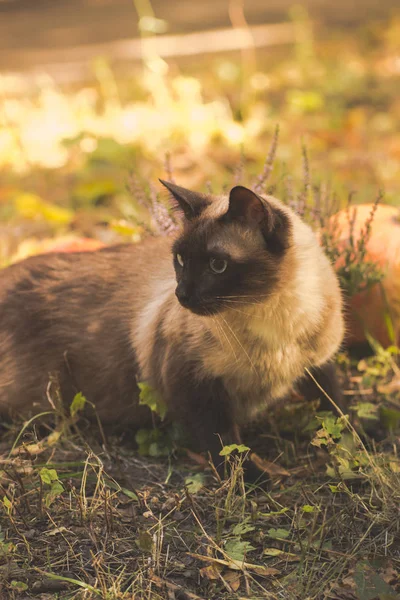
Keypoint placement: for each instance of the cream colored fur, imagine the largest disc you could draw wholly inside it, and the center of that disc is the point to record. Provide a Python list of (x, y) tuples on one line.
[(258, 348)]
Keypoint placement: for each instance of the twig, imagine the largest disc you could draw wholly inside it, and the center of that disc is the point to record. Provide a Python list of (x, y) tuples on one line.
[(269, 163), (183, 594)]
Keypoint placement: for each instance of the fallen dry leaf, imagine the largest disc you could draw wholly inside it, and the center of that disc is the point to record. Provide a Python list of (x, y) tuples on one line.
[(197, 458), (272, 469), (391, 387), (237, 565), (36, 448), (287, 556), (211, 572), (56, 531), (233, 578)]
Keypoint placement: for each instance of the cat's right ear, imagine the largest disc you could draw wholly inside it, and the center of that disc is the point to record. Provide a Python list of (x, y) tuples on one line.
[(191, 203)]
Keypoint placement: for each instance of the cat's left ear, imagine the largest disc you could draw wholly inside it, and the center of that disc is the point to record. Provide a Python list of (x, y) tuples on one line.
[(192, 203), (246, 206)]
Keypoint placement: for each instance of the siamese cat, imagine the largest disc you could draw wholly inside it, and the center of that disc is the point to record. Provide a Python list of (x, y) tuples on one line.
[(222, 321)]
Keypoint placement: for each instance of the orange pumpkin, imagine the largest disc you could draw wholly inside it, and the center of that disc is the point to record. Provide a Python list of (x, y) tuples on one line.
[(367, 310), (66, 243), (75, 245)]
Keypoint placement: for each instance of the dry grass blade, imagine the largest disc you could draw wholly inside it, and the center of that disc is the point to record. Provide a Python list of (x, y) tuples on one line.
[(238, 565), (176, 589)]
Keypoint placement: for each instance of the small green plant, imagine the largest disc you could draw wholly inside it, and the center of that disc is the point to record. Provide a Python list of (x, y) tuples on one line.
[(355, 270), (238, 549), (53, 486), (153, 442), (379, 366), (348, 456), (77, 404), (195, 483), (156, 441), (151, 398), (239, 448)]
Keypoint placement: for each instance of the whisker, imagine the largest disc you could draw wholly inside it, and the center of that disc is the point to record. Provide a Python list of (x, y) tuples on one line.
[(239, 344), (241, 299), (226, 337), (217, 332), (243, 296), (238, 311), (242, 303)]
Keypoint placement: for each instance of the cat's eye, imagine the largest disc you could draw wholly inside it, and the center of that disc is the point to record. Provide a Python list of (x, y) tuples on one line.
[(180, 260), (218, 265)]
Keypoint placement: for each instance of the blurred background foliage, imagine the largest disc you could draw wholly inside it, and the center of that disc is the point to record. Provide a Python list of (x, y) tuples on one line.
[(67, 149)]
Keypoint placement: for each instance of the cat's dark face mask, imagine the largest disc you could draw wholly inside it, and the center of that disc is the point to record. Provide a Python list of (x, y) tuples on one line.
[(229, 253)]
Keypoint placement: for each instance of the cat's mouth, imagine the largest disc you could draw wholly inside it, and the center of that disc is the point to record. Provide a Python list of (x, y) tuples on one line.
[(203, 308)]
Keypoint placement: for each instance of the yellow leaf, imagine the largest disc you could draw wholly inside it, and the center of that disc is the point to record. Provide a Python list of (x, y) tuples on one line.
[(32, 206), (35, 448), (127, 229), (233, 578), (211, 572), (53, 438), (237, 565)]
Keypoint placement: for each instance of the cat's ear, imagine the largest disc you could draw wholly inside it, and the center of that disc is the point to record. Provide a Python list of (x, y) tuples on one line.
[(192, 203), (246, 206)]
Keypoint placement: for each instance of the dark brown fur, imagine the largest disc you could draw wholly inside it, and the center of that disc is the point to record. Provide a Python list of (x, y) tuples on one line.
[(69, 316)]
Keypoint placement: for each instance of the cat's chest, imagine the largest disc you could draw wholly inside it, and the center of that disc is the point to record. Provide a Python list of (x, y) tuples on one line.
[(256, 366)]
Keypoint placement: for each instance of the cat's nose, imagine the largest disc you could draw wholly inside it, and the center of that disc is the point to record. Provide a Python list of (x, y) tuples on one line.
[(182, 295)]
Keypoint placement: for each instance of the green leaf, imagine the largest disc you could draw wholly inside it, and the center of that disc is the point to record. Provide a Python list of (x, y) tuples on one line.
[(77, 582), (237, 549), (110, 151), (227, 450), (195, 483), (48, 475), (7, 503), (334, 489), (278, 534), (130, 494), (390, 418), (144, 449), (369, 585), (151, 398), (78, 404), (55, 491), (367, 410), (242, 528), (275, 513), (89, 191), (20, 586), (156, 450), (56, 488), (144, 541), (142, 436), (307, 508), (333, 426)]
